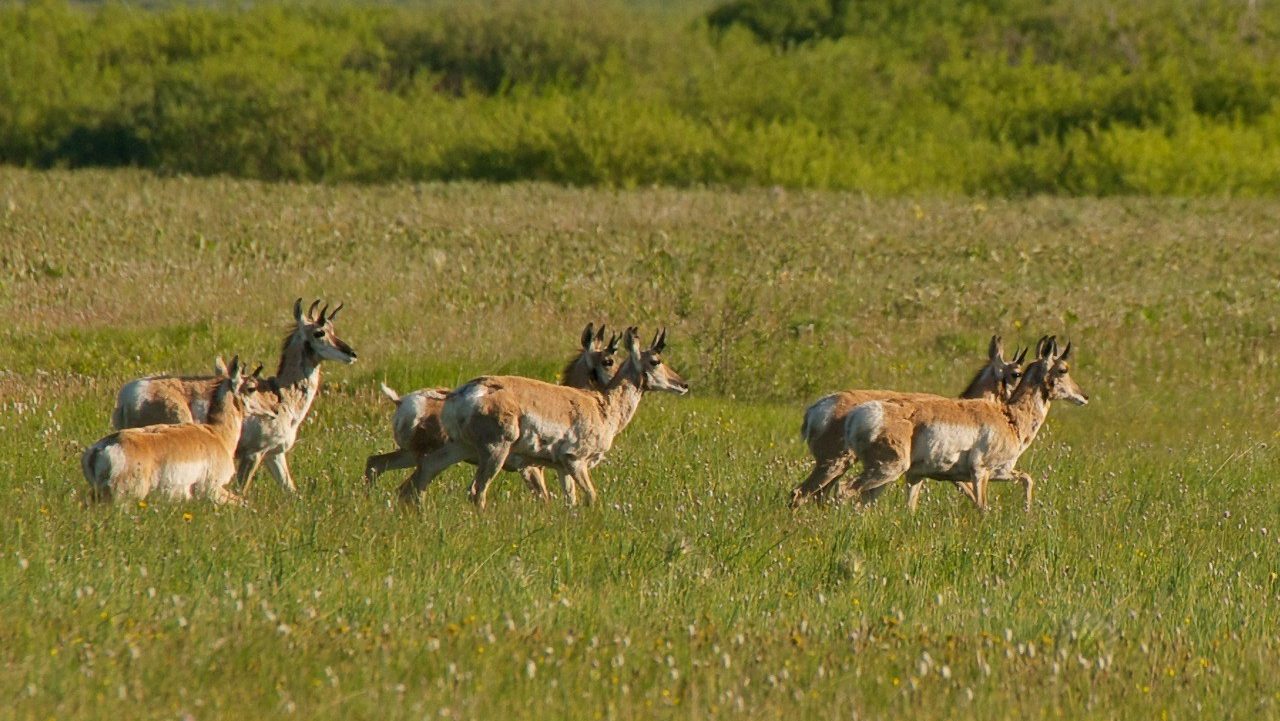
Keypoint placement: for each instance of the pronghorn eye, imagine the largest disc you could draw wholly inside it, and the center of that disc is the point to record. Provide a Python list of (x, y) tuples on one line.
[(608, 362), (318, 334), (654, 362)]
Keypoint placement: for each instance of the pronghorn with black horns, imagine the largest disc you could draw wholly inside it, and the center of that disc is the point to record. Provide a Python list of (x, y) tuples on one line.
[(510, 421), (419, 429), (975, 441), (824, 421), (179, 461), (284, 399)]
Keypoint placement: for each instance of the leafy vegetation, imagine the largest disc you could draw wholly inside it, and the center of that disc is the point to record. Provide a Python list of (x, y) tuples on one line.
[(994, 98), (1143, 583)]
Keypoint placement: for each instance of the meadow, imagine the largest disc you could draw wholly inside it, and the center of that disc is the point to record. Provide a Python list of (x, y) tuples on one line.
[(1142, 585)]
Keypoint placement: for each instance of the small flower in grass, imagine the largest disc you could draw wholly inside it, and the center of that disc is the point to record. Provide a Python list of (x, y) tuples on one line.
[(142, 505), (187, 516)]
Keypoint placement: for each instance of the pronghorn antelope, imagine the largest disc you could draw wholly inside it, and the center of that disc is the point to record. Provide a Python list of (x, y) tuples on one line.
[(285, 398), (509, 421), (419, 430), (959, 440), (178, 461), (824, 421)]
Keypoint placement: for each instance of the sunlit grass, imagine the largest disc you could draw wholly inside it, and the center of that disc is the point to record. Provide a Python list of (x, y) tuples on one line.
[(1144, 582)]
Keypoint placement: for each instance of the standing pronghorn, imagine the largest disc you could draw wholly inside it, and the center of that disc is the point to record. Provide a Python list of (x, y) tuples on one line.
[(958, 440), (824, 421), (509, 421), (288, 396), (179, 461), (419, 429)]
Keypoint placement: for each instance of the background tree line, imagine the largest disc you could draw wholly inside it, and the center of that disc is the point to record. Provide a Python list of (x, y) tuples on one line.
[(991, 97)]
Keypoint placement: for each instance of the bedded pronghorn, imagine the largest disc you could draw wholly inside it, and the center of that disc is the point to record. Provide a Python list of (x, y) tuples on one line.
[(286, 397), (419, 430), (958, 440), (178, 461), (824, 421), (509, 421)]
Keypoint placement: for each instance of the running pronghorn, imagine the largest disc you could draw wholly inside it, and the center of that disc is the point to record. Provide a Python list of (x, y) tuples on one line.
[(824, 421), (958, 440), (509, 421), (285, 398), (419, 430), (178, 461)]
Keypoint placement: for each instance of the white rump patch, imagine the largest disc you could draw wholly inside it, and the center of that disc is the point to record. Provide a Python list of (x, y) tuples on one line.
[(864, 424), (817, 417)]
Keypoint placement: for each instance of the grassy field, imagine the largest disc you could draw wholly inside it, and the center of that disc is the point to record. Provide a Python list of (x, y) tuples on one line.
[(1143, 585)]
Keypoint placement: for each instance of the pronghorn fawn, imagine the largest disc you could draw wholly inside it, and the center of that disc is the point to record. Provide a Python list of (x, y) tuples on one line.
[(419, 429), (285, 399), (179, 461), (824, 421), (509, 421), (974, 441)]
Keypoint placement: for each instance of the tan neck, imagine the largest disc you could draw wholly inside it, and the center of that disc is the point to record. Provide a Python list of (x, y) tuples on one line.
[(1027, 414), (225, 418), (298, 376), (620, 399)]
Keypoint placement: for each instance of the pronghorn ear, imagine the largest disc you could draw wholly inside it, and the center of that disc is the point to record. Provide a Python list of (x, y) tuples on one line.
[(219, 366), (995, 351), (234, 372), (297, 311), (1053, 347), (660, 342), (1042, 346), (587, 334), (629, 340), (1066, 354)]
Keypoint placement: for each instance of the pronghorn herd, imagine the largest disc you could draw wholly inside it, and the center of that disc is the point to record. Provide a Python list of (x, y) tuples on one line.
[(185, 437)]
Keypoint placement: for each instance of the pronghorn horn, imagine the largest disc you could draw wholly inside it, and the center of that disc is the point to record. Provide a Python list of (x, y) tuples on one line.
[(334, 314), (600, 333), (1066, 353), (257, 372), (323, 312), (1021, 355), (311, 312), (587, 334), (1053, 346), (661, 341), (613, 344)]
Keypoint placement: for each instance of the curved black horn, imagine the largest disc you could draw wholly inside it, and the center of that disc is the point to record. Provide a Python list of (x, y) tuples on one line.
[(1066, 353), (600, 333), (311, 312), (334, 314)]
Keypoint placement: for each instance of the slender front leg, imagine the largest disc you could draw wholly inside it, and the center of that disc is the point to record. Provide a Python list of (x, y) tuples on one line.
[(1028, 487), (279, 467), (980, 484), (914, 486), (246, 467), (582, 476), (535, 481)]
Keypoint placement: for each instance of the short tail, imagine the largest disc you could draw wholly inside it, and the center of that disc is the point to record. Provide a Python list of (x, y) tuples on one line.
[(388, 392), (117, 417)]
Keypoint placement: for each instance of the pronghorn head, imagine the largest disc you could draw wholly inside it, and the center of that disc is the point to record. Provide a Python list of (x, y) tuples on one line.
[(1005, 374), (594, 365), (647, 365), (249, 387), (1050, 375), (317, 331), (236, 388)]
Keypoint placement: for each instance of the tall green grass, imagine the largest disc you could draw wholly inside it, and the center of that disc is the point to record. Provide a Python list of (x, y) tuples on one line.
[(1006, 98), (1142, 585)]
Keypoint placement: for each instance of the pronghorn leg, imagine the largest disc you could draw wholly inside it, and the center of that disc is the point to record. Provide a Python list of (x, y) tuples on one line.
[(246, 467), (825, 472), (278, 464), (536, 481), (430, 466), (980, 483), (1028, 487), (490, 463), (582, 476), (567, 483), (966, 487), (914, 486), (221, 495), (871, 481), (378, 464)]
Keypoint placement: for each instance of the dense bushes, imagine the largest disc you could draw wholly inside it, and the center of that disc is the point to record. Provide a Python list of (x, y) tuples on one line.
[(885, 96)]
